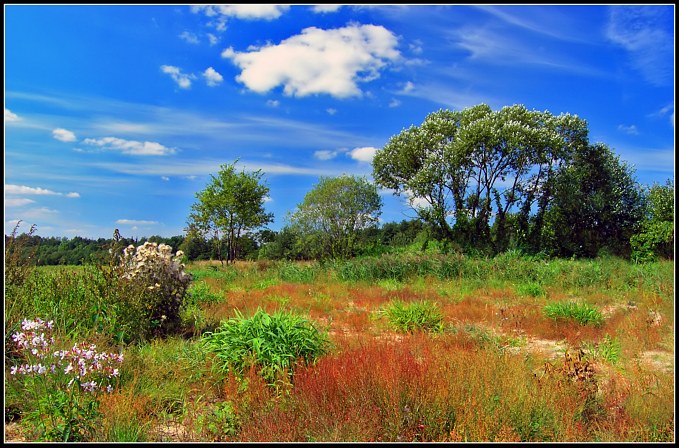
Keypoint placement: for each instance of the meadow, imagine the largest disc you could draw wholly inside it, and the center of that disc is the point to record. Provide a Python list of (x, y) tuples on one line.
[(400, 348)]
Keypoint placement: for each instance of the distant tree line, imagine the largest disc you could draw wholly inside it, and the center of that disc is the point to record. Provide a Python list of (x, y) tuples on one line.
[(479, 181)]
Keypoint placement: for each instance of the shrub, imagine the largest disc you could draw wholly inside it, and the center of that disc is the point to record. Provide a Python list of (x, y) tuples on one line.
[(407, 318), (150, 286), (581, 312), (274, 344)]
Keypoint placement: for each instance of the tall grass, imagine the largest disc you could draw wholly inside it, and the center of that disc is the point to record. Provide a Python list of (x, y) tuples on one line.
[(275, 343), (415, 316)]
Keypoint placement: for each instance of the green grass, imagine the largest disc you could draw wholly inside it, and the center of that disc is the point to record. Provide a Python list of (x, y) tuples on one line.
[(416, 316), (273, 343), (581, 312)]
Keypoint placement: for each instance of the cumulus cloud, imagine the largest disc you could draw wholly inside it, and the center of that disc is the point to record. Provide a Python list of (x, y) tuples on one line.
[(318, 61), (212, 77), (325, 154), (63, 135), (130, 147), (24, 190), (322, 9), (183, 80), (11, 116), (394, 103), (273, 103), (248, 12), (189, 37), (212, 38), (135, 222), (364, 154)]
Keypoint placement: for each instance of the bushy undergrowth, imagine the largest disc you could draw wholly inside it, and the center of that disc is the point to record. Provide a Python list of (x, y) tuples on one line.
[(581, 312), (415, 316), (274, 343)]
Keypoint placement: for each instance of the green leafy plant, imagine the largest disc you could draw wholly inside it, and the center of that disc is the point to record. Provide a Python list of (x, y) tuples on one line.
[(274, 344), (581, 312), (407, 318)]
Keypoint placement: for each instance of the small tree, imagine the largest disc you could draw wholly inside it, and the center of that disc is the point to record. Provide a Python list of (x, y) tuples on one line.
[(231, 205), (656, 238), (334, 212)]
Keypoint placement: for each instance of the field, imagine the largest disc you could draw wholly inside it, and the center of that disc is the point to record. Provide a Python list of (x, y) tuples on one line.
[(504, 349)]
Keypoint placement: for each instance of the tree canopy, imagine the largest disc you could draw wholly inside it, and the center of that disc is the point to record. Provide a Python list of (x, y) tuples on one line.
[(334, 212), (232, 204)]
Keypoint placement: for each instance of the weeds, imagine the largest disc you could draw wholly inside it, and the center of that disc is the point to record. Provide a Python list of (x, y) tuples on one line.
[(416, 316), (581, 312), (274, 343)]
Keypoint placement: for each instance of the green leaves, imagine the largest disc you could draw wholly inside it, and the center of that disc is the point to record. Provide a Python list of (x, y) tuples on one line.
[(415, 316), (581, 312), (274, 343)]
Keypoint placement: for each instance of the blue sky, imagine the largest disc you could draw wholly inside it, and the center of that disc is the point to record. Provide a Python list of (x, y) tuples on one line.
[(115, 116)]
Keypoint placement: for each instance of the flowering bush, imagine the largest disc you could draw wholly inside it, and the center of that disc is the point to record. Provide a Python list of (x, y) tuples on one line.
[(152, 285), (63, 384)]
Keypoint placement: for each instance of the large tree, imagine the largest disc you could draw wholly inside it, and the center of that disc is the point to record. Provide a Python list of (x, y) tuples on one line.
[(333, 213), (231, 205), (465, 170), (596, 204)]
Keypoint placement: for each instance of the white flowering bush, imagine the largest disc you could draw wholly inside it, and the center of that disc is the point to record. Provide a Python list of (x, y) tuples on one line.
[(61, 387), (152, 286)]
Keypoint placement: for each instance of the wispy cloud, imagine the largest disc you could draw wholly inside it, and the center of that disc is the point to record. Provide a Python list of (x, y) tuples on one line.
[(189, 38), (11, 117), (650, 47), (630, 130), (325, 154), (24, 190), (318, 61), (63, 135), (212, 77), (130, 147), (17, 202), (183, 80), (135, 222)]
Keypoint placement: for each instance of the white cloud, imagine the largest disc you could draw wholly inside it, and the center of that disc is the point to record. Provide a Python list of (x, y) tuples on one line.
[(322, 9), (408, 87), (130, 147), (364, 154), (394, 103), (331, 111), (640, 30), (135, 222), (318, 61), (212, 78), (23, 190), (189, 37), (165, 178), (17, 202), (268, 199), (631, 130), (10, 116), (248, 12), (183, 80), (325, 154), (63, 135), (273, 103), (213, 39)]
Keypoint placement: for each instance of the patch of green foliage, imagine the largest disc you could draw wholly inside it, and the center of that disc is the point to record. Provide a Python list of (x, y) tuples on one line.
[(274, 344), (415, 316), (581, 312)]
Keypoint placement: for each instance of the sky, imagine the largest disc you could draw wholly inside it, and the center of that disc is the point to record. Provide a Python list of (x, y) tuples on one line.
[(117, 115)]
